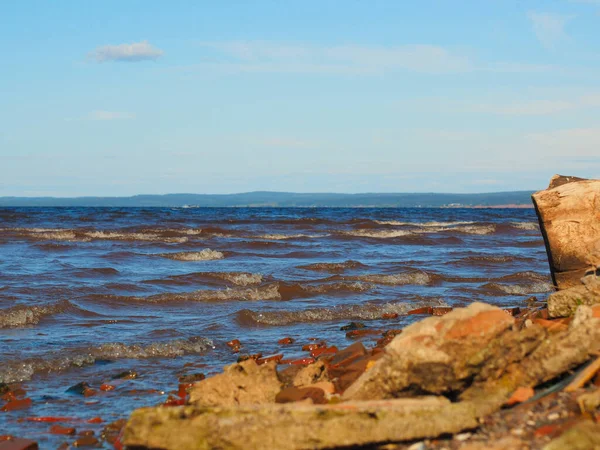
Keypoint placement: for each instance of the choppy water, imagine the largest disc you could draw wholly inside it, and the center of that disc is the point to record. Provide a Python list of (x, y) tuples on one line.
[(86, 293)]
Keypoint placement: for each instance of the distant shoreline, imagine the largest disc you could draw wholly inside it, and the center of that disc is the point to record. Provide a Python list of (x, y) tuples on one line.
[(516, 199)]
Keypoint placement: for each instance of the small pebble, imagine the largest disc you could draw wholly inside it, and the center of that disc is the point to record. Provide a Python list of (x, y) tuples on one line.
[(517, 431), (553, 416), (462, 436), (531, 423), (417, 446)]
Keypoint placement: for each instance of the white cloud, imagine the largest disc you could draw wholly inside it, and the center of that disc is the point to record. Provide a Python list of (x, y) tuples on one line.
[(110, 115), (137, 51), (549, 28)]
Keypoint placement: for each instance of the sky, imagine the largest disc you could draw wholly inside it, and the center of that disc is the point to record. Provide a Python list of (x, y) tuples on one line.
[(151, 97)]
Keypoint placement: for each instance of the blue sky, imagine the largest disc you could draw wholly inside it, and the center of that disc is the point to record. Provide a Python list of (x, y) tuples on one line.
[(128, 97)]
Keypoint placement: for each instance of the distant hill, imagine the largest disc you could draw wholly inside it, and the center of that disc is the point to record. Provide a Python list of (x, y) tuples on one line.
[(286, 199)]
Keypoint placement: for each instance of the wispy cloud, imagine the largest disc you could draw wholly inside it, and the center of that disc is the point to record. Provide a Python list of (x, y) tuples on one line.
[(110, 115), (549, 28), (508, 107), (258, 56), (134, 52)]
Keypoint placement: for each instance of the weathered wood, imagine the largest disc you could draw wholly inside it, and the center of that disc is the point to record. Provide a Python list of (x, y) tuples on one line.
[(569, 216)]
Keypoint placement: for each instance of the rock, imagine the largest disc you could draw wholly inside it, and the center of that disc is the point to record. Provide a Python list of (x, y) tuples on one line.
[(311, 374), (295, 394), (79, 388), (191, 378), (59, 429), (298, 425), (569, 216), (86, 441), (17, 404), (126, 375), (520, 395), (589, 402), (564, 303), (353, 326), (286, 341), (436, 355), (239, 384), (18, 444), (583, 436)]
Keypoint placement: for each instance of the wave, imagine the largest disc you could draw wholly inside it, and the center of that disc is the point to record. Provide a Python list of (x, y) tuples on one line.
[(417, 278), (490, 259), (333, 267), (22, 370), (422, 224), (377, 234), (527, 226), (280, 237), (366, 311), (235, 278), (22, 315), (289, 291), (535, 287), (205, 255), (82, 235)]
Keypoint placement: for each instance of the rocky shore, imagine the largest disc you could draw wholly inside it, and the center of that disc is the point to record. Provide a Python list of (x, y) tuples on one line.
[(471, 378)]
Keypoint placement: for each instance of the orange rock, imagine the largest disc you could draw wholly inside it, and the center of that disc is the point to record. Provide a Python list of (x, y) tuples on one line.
[(551, 325), (234, 343), (440, 310), (183, 389), (513, 311), (266, 359), (89, 392), (18, 444), (390, 316), (520, 395), (295, 394), (478, 324), (596, 311), (324, 351), (50, 419), (355, 334), (174, 401), (95, 420), (424, 310), (347, 355), (15, 405), (59, 429), (107, 387), (286, 341), (298, 362), (313, 347), (86, 441)]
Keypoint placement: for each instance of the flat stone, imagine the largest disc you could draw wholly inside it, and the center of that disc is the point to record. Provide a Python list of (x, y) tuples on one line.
[(239, 384), (435, 355), (297, 425), (583, 436)]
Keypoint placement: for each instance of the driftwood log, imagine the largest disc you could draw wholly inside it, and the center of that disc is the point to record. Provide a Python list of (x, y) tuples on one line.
[(569, 216)]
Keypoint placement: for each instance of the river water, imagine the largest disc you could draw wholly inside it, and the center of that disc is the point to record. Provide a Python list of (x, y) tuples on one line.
[(87, 293)]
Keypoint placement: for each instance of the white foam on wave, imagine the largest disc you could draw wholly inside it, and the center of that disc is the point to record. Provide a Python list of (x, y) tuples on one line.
[(205, 255), (21, 315), (377, 234), (417, 278), (266, 292), (527, 226), (422, 224), (281, 237), (22, 370)]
